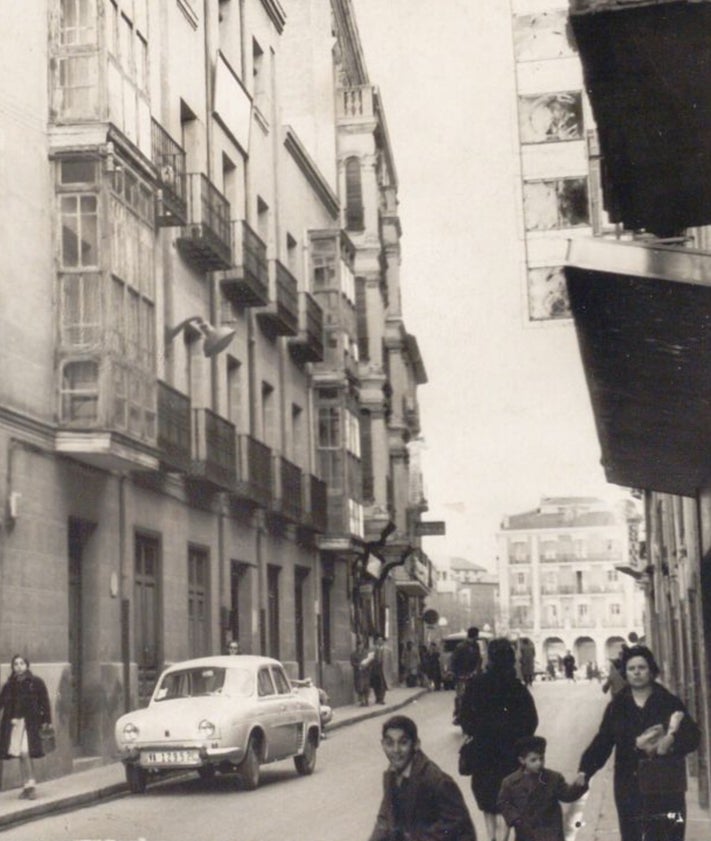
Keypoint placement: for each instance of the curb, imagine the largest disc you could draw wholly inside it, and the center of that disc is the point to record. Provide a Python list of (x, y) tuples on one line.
[(374, 712), (116, 790)]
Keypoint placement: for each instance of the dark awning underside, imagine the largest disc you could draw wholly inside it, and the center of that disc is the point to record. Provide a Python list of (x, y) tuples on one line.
[(648, 75), (643, 319)]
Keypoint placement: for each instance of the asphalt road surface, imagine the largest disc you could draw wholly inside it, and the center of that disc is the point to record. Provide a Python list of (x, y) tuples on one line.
[(337, 803)]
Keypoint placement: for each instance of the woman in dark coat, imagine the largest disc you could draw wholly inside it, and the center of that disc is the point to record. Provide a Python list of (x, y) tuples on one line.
[(25, 708), (642, 704), (497, 710)]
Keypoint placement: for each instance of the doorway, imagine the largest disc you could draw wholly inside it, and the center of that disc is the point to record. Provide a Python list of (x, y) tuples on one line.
[(78, 534)]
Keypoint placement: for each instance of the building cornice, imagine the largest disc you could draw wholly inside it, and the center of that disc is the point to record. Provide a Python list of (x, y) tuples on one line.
[(311, 172), (277, 15)]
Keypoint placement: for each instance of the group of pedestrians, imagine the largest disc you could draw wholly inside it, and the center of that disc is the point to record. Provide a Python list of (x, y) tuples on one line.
[(647, 727)]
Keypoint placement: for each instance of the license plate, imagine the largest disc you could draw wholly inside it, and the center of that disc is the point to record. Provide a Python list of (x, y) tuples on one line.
[(170, 757)]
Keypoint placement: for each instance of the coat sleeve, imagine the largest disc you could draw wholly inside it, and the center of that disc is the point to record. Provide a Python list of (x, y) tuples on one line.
[(383, 824), (688, 735), (565, 793), (506, 806), (453, 820), (45, 709), (598, 751)]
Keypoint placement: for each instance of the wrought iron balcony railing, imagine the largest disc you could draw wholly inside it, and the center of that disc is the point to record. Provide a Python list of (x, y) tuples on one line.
[(173, 429), (308, 345), (256, 471), (288, 496), (169, 158), (206, 239), (246, 282), (214, 450)]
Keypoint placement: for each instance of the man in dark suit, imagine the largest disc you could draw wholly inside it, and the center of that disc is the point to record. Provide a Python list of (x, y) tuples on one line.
[(420, 802)]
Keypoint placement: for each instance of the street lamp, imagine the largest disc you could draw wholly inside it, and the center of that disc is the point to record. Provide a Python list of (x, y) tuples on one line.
[(216, 338)]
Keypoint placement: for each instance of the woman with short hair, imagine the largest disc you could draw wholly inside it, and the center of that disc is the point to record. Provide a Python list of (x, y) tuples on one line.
[(642, 721)]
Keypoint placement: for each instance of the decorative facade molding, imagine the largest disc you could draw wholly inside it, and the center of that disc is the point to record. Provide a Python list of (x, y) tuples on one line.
[(311, 172), (277, 15)]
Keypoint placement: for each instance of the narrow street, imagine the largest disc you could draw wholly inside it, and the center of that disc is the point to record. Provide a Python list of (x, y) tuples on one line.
[(338, 802)]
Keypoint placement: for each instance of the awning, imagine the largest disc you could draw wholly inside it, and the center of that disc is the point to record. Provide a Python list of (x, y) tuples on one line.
[(643, 319), (647, 70)]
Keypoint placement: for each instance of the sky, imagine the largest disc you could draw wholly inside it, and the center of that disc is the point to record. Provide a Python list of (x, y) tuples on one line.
[(506, 414)]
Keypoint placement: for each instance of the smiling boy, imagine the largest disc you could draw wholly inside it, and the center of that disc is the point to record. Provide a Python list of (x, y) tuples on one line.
[(420, 802)]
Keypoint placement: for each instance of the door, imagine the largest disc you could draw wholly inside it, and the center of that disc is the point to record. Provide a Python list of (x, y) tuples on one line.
[(77, 533), (147, 614), (299, 578)]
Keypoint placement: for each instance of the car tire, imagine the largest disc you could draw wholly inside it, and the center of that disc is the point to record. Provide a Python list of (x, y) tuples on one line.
[(306, 762), (206, 772), (249, 768), (136, 777)]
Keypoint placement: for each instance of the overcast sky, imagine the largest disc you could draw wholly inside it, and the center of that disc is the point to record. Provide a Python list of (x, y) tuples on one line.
[(506, 413)]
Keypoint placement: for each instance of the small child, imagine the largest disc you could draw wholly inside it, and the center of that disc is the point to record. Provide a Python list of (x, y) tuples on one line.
[(529, 799)]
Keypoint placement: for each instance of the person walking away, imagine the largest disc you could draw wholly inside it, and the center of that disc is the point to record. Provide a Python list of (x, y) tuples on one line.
[(496, 711), (644, 706), (569, 666), (420, 802), (25, 709), (361, 673), (530, 798), (528, 661), (376, 661), (465, 662), (434, 666)]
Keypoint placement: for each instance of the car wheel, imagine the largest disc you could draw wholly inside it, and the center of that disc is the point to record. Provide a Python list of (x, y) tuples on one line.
[(306, 763), (249, 768), (206, 772), (136, 778)]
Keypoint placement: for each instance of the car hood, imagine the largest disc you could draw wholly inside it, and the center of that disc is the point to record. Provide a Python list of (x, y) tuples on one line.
[(178, 719)]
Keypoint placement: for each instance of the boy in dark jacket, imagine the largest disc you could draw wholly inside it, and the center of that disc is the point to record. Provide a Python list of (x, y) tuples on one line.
[(420, 802), (530, 798)]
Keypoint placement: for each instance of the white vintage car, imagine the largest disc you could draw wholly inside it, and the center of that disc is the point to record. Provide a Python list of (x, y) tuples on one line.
[(229, 713)]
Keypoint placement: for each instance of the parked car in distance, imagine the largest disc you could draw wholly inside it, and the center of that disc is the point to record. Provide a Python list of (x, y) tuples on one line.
[(228, 713)]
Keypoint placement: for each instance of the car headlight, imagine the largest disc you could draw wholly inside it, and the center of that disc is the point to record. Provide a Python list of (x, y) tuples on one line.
[(130, 732), (206, 728)]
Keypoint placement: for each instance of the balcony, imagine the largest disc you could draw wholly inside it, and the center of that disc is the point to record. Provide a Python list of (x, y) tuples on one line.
[(355, 104), (246, 282), (214, 450), (173, 429), (206, 240), (315, 496), (169, 158), (281, 315), (288, 497), (308, 345), (520, 590), (255, 482)]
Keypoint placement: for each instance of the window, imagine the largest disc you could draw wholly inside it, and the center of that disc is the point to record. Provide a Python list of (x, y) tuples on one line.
[(326, 586), (273, 609), (550, 117), (612, 575), (520, 579), (330, 447), (557, 203), (262, 219), (292, 254), (582, 611), (297, 433), (234, 392), (615, 610), (80, 392), (549, 550), (281, 682), (77, 22), (354, 195), (362, 320), (547, 294), (519, 551), (366, 442), (198, 625), (268, 418), (80, 308), (79, 221), (265, 684)]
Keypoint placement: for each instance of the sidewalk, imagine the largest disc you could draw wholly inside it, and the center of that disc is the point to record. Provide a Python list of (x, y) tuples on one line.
[(599, 816), (108, 781)]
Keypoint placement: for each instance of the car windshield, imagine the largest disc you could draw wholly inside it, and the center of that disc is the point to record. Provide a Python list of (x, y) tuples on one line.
[(191, 683)]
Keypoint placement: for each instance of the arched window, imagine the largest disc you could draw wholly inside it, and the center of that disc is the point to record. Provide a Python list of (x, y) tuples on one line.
[(354, 195)]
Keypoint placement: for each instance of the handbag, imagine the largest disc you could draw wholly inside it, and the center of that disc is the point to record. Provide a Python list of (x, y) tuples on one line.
[(48, 738), (467, 754), (662, 775)]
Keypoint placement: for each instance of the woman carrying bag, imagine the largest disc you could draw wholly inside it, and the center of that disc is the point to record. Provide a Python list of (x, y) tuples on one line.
[(25, 715), (651, 732)]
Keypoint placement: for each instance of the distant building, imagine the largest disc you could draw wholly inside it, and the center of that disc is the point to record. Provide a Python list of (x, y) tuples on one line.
[(560, 582), (465, 594)]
